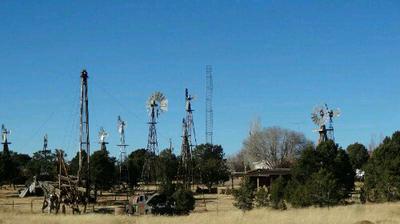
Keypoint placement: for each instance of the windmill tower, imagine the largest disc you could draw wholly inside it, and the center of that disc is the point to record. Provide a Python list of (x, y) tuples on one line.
[(209, 105), (84, 141), (4, 134), (156, 104), (188, 138), (322, 116), (46, 153), (123, 171), (185, 170)]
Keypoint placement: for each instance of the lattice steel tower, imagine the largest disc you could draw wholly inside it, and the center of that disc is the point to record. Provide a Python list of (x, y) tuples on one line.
[(209, 105), (84, 131)]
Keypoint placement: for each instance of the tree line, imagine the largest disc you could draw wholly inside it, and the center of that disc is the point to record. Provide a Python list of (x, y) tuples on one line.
[(322, 175), (209, 167)]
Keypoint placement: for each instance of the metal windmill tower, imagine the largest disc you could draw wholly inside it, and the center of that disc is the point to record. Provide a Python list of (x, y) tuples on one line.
[(4, 134), (46, 153), (156, 104), (185, 171), (209, 105), (84, 140), (322, 116), (123, 171)]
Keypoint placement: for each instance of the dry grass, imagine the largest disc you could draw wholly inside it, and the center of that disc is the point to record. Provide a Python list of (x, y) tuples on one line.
[(377, 213), (219, 211)]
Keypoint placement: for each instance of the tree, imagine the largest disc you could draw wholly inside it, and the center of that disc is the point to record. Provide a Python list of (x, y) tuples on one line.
[(358, 155), (275, 146), (102, 170), (184, 201), (21, 161), (323, 177), (168, 165), (43, 165), (8, 167), (135, 166), (244, 196), (210, 164), (74, 164), (382, 180), (237, 163)]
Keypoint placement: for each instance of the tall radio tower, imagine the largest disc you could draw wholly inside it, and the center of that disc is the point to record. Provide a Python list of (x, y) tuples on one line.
[(209, 109)]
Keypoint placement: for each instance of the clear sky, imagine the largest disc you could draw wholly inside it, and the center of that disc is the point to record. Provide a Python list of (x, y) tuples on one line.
[(271, 59)]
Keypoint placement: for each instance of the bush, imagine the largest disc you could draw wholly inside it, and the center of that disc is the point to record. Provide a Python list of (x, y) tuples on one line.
[(184, 201), (262, 198), (277, 193), (244, 196)]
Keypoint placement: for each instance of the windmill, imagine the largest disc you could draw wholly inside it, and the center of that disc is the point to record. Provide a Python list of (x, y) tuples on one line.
[(185, 169), (102, 138), (4, 134), (323, 117), (123, 171), (156, 104)]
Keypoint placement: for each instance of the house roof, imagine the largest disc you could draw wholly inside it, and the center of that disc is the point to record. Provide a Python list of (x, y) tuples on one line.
[(268, 172)]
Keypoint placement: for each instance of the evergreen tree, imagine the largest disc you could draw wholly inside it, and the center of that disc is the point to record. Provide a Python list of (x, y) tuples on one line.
[(323, 177), (102, 170), (261, 198), (382, 180), (244, 196), (210, 164), (135, 166), (277, 193), (358, 155)]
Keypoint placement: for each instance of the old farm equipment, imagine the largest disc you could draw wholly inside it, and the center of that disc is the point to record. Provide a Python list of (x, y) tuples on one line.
[(67, 192), (73, 191)]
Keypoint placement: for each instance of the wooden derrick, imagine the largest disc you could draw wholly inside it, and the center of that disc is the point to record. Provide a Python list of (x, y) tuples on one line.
[(67, 192)]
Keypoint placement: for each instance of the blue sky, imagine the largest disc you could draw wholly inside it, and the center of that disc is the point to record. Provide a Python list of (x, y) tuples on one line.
[(271, 59)]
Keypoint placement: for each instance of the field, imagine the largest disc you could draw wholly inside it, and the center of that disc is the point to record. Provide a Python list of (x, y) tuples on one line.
[(219, 210)]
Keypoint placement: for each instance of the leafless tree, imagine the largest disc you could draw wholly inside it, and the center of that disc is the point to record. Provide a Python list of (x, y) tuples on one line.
[(275, 146)]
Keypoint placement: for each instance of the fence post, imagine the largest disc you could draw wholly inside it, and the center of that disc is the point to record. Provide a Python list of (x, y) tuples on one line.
[(32, 206), (13, 205)]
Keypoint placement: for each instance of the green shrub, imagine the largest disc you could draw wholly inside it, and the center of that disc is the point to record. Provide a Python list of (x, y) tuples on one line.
[(184, 201), (277, 193), (262, 198), (244, 196)]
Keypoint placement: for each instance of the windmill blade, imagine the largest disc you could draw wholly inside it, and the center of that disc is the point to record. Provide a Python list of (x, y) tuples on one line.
[(164, 105), (337, 112)]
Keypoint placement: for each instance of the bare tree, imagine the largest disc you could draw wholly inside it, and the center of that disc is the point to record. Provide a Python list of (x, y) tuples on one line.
[(274, 146)]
